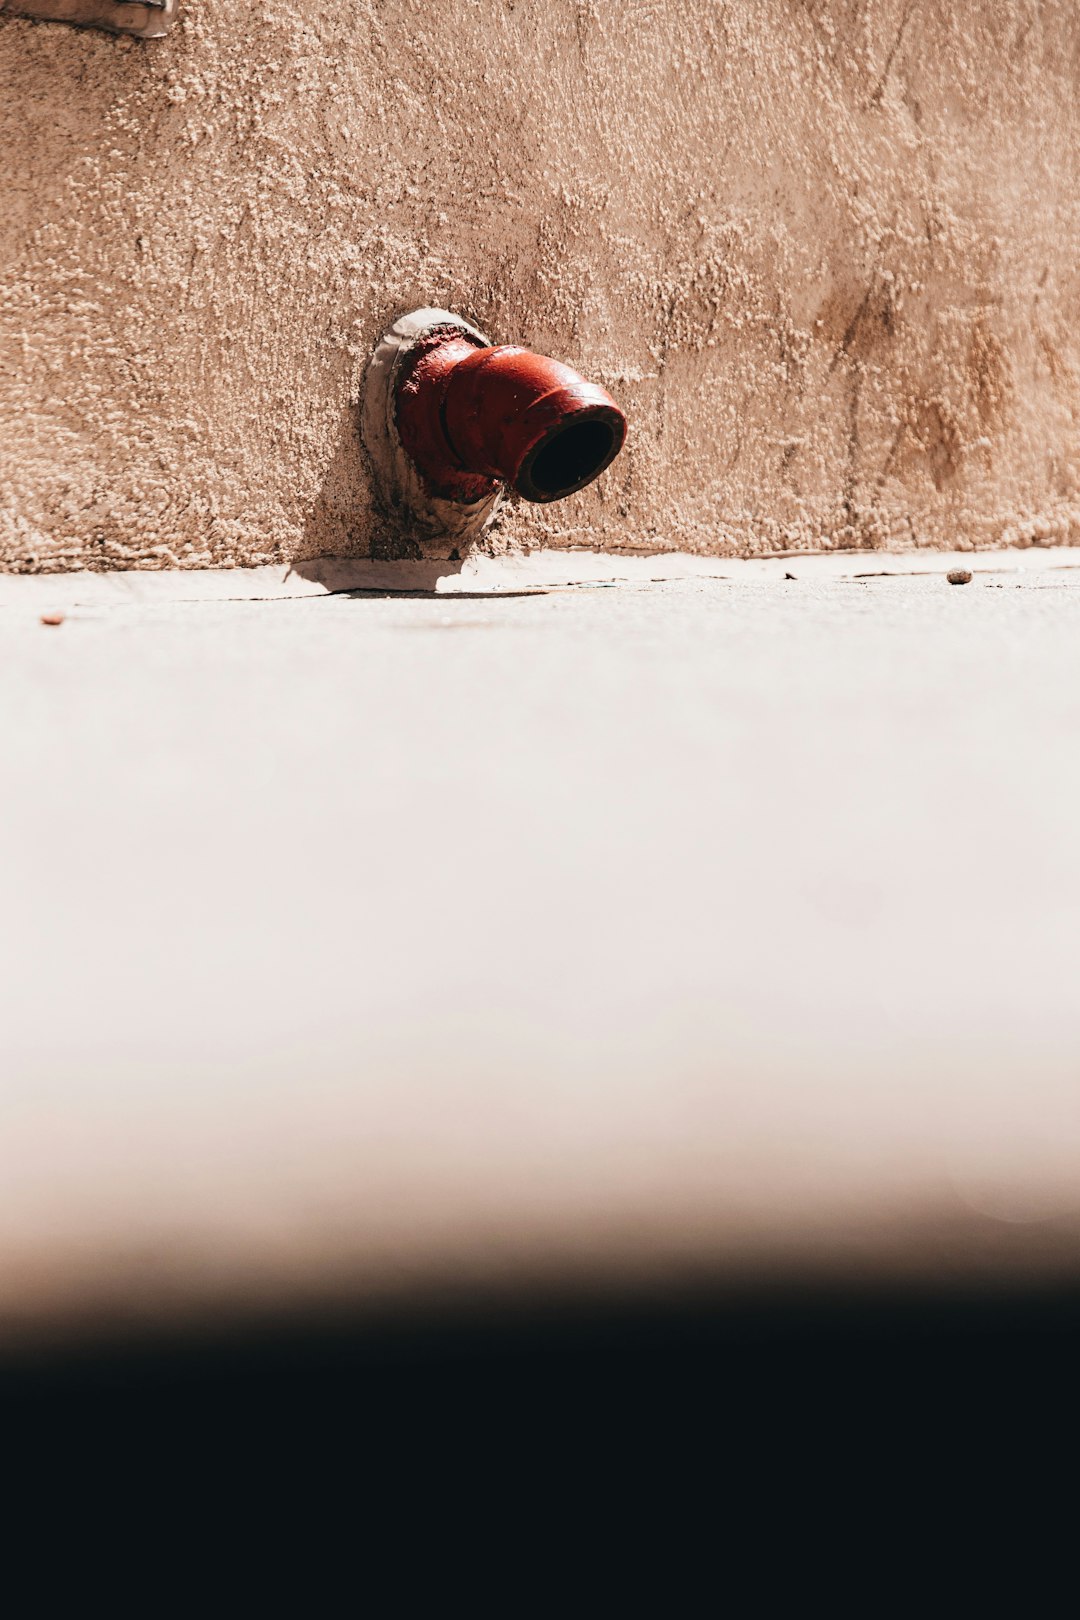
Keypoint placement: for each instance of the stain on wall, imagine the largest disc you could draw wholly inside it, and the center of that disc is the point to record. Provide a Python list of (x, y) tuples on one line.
[(822, 251)]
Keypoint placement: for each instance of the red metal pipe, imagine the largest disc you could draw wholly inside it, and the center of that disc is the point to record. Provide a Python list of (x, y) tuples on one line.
[(471, 417)]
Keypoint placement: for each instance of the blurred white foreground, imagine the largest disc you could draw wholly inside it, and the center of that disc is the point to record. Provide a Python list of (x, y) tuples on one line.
[(354, 945)]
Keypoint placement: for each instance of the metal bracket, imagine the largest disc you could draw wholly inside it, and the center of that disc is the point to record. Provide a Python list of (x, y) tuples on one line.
[(146, 19)]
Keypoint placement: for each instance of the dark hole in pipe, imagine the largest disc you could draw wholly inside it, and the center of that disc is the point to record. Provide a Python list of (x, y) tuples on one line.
[(568, 460)]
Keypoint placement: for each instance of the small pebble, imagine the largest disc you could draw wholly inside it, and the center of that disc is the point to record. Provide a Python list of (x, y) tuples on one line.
[(52, 618), (959, 576)]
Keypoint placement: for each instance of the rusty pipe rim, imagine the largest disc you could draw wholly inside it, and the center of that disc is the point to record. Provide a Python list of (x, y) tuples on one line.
[(472, 415), (528, 420), (571, 454)]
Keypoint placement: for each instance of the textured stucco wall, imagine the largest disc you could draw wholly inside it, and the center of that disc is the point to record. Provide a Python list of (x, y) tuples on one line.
[(823, 252)]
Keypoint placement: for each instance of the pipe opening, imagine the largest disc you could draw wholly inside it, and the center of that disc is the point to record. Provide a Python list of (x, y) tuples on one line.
[(571, 458)]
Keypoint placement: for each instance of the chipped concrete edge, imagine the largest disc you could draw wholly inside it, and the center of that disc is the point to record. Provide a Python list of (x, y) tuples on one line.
[(482, 575)]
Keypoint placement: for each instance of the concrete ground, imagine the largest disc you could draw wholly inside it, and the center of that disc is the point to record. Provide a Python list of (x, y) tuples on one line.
[(358, 944)]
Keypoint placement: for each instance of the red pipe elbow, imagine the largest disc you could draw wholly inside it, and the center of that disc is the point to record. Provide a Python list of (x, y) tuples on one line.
[(471, 417)]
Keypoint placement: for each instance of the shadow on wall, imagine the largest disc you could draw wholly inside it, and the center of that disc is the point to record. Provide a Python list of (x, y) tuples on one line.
[(339, 525)]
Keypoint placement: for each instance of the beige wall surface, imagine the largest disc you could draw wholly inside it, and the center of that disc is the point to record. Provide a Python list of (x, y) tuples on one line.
[(824, 253)]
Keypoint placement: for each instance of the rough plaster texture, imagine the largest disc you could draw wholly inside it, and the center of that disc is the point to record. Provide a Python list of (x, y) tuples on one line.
[(824, 254)]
